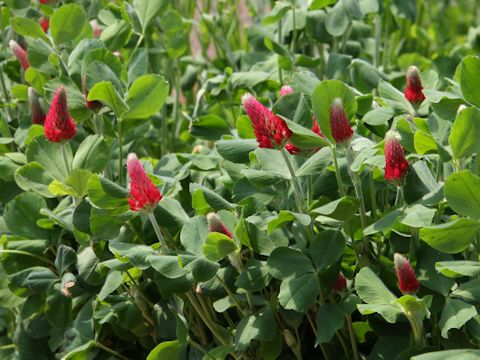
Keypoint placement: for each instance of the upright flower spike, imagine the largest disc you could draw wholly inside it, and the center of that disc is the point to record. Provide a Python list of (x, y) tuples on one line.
[(413, 91), (20, 54), (407, 281), (340, 127), (285, 90), (395, 163), (271, 131), (59, 126), (215, 224), (38, 116), (144, 196)]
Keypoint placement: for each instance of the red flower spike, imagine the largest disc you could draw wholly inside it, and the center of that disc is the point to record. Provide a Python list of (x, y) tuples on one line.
[(59, 126), (144, 196), (38, 116), (395, 163), (407, 281), (340, 284), (270, 130), (20, 54), (45, 24), (285, 90), (341, 130), (413, 91), (215, 224)]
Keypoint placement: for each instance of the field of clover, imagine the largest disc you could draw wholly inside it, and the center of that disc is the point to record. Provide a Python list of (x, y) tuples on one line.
[(238, 179)]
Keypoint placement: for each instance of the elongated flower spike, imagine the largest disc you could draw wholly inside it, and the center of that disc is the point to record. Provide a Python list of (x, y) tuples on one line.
[(45, 24), (285, 90), (270, 130), (38, 116), (59, 126), (340, 284), (20, 54), (395, 163), (144, 196), (413, 91), (340, 127), (215, 224), (407, 281)]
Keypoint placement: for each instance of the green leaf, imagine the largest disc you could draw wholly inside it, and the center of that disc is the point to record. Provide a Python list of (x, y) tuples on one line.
[(389, 312), (209, 127), (202, 269), (378, 116), (58, 310), (217, 246), (452, 237), (337, 20), (93, 154), (277, 13), (299, 293), (316, 163), (48, 155), (285, 217), (65, 258), (236, 151), (113, 280), (105, 93), (284, 263), (27, 27), (146, 96), (135, 253), (75, 185), (468, 292), (262, 327), (304, 138), (465, 132), (455, 314), (22, 213), (461, 191), (67, 23), (340, 209), (417, 216), (330, 318), (322, 99), (470, 78), (254, 277), (166, 350), (458, 268), (394, 98), (326, 248), (464, 354), (193, 234), (147, 10), (34, 177), (105, 194), (371, 289), (167, 265)]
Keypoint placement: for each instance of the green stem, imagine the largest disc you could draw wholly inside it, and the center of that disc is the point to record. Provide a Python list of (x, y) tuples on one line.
[(280, 40), (373, 197), (378, 39), (343, 344), (399, 196), (417, 329), (7, 347), (120, 151), (200, 348), (353, 339), (157, 230), (299, 198), (65, 157), (107, 349), (341, 188), (230, 294), (294, 31)]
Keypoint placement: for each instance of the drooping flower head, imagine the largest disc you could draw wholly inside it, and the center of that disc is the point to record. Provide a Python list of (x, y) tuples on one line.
[(20, 54), (413, 91), (340, 284), (270, 130), (92, 105), (38, 116), (144, 196), (215, 224), (340, 127), (59, 126), (45, 24), (407, 281), (285, 90), (395, 163)]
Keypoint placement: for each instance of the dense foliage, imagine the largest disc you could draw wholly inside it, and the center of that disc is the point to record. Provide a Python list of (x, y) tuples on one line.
[(240, 179)]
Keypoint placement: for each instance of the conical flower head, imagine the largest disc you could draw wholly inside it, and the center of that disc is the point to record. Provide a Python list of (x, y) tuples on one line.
[(407, 281), (285, 90), (340, 284), (59, 126), (144, 196), (413, 91), (270, 130), (215, 224), (395, 163), (20, 54), (340, 127), (38, 116)]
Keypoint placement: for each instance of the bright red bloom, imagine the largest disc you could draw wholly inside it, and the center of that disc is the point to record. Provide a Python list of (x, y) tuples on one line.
[(144, 196), (215, 224), (413, 91), (271, 131), (340, 127), (45, 24), (38, 116), (92, 105), (20, 54), (407, 281), (340, 284), (285, 90), (395, 163), (59, 126)]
